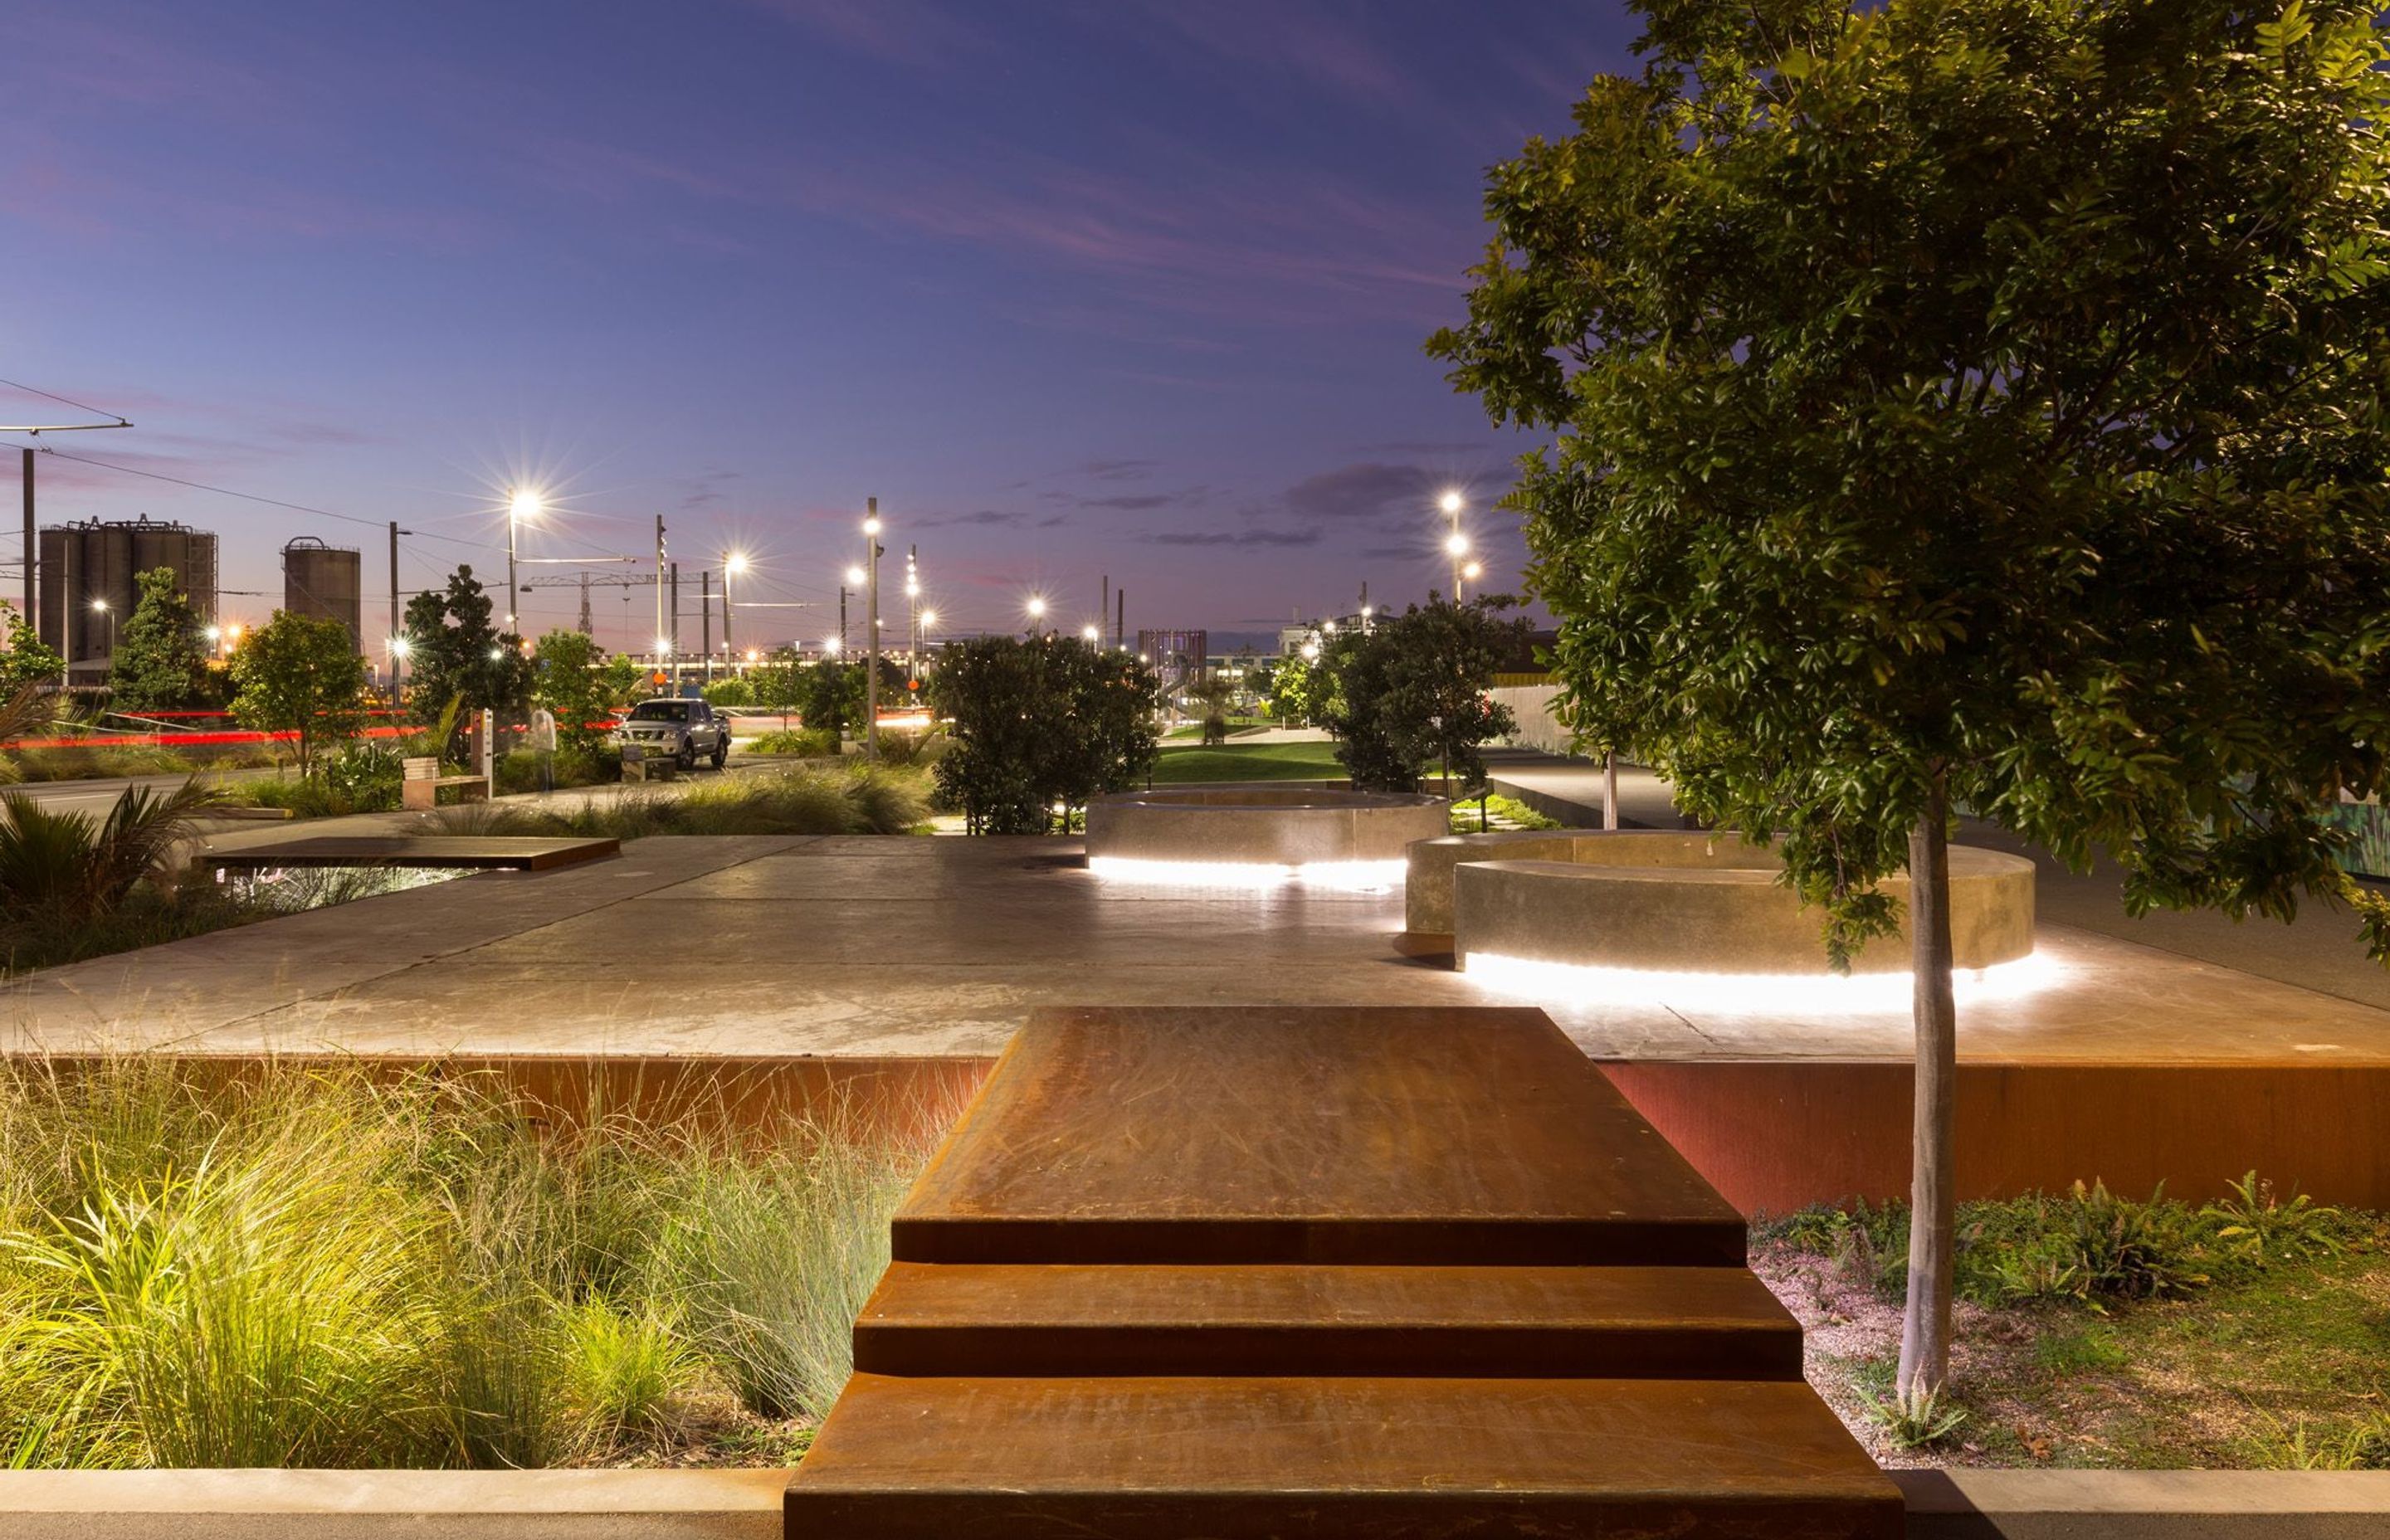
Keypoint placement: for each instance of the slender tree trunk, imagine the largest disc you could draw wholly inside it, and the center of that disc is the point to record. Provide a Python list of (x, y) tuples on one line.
[(1610, 790), (1926, 1324)]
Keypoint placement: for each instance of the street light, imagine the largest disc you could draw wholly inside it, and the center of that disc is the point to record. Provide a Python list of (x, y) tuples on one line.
[(102, 605), (872, 552), (1036, 611), (732, 565), (1456, 543), (1089, 634), (523, 504)]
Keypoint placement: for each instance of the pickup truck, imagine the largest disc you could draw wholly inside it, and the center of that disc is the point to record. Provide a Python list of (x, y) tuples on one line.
[(680, 730)]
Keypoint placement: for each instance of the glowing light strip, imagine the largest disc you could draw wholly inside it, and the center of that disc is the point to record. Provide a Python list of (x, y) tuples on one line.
[(1754, 994), (1354, 877)]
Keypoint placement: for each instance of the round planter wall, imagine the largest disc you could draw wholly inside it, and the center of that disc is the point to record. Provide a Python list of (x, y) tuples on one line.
[(1259, 826)]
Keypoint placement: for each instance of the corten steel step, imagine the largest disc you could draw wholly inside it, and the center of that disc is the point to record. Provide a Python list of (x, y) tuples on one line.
[(1138, 1459), (1265, 1135), (1691, 1323)]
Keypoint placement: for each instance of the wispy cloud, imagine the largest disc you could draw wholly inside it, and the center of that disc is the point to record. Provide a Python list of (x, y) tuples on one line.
[(1234, 537)]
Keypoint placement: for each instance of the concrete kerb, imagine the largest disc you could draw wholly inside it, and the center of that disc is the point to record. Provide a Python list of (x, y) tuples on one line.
[(746, 1505)]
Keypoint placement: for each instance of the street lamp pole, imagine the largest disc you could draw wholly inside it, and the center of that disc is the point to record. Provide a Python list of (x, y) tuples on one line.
[(102, 605), (872, 552), (522, 505), (732, 565)]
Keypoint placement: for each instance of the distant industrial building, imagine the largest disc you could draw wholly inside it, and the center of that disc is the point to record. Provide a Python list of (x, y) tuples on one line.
[(324, 582), (1176, 657), (88, 589)]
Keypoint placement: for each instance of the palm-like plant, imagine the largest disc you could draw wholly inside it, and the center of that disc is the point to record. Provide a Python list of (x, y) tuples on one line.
[(67, 866)]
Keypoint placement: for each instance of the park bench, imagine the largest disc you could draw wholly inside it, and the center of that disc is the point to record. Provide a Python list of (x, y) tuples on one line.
[(419, 790)]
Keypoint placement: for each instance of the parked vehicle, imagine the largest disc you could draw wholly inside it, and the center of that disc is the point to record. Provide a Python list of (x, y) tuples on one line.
[(677, 730)]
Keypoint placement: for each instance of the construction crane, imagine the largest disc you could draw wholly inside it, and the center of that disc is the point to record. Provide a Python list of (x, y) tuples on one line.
[(628, 581)]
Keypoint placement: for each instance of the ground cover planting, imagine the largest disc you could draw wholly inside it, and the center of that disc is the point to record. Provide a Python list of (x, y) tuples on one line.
[(2096, 1330), (314, 1266), (797, 799)]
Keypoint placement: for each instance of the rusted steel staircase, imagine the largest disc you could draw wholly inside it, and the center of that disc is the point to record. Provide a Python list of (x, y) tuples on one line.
[(1274, 1274)]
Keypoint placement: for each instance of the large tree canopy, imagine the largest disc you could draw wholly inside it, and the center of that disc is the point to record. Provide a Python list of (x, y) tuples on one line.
[(459, 655), (1968, 405), (162, 650)]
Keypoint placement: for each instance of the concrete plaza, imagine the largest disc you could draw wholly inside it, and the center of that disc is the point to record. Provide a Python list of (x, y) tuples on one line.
[(897, 946)]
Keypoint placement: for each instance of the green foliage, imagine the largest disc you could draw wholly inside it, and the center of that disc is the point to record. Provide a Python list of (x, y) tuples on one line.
[(65, 868), (730, 692), (518, 770), (1292, 690), (455, 652), (300, 675), (809, 742), (569, 678), (161, 662), (1496, 812), (778, 682), (855, 799), (1188, 763), (1914, 1422), (623, 681), (26, 662), (326, 1267), (2087, 1246), (1968, 405), (1039, 724), (1410, 697)]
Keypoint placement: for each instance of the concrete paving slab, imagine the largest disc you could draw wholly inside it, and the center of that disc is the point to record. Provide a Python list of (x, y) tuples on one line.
[(931, 946)]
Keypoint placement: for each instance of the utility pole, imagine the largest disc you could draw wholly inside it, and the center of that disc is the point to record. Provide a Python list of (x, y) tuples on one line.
[(705, 618), (31, 543), (1104, 603), (584, 605), (659, 638), (671, 635), (1120, 619), (842, 644), (397, 620), (872, 551)]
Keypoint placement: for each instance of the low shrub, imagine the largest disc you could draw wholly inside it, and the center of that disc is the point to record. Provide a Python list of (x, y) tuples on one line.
[(845, 799), (310, 1266), (2087, 1246), (1495, 811), (518, 771), (807, 742)]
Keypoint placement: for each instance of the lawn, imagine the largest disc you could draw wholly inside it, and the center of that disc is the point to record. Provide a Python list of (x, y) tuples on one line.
[(1248, 761)]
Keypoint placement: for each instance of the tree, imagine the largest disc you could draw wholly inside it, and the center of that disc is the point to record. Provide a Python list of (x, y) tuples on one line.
[(1038, 723), (1411, 693), (27, 664), (300, 675), (1968, 405), (1291, 688), (459, 655), (568, 678), (160, 662), (829, 695)]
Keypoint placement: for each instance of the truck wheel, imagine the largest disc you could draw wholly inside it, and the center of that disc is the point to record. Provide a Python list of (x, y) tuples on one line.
[(685, 756), (722, 753)]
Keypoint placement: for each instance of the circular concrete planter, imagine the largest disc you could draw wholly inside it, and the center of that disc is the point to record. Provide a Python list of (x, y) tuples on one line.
[(1258, 829), (1670, 902)]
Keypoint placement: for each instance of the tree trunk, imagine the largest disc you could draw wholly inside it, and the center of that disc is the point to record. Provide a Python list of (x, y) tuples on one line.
[(1610, 790), (1926, 1324)]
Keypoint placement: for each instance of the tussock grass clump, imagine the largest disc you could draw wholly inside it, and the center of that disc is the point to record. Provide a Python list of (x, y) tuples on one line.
[(795, 800), (324, 1267)]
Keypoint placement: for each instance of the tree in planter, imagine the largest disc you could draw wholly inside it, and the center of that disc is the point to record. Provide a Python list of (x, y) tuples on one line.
[(1037, 723), (161, 651), (300, 675), (27, 664), (1968, 405), (569, 679), (457, 655), (1410, 694)]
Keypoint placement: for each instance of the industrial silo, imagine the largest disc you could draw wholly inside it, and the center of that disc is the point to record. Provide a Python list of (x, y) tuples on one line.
[(87, 587), (324, 582)]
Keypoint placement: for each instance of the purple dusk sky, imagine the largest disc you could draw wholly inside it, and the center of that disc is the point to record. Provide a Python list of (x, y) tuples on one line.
[(1075, 289)]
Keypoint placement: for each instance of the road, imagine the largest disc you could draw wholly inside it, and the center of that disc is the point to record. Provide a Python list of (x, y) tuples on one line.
[(96, 797)]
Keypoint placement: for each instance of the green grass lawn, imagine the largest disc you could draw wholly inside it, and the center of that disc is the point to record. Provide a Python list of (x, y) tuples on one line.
[(1248, 761)]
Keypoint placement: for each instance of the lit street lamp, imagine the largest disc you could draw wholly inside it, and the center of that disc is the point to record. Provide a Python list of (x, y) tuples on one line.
[(1457, 544), (732, 565), (1036, 611), (872, 552), (102, 605), (523, 504), (1088, 633)]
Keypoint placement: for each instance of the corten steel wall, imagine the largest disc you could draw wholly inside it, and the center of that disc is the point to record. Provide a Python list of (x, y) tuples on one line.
[(1781, 1135), (324, 582)]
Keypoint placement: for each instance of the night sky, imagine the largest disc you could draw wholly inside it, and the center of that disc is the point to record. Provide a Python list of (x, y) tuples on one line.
[(1073, 289)]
